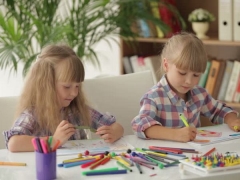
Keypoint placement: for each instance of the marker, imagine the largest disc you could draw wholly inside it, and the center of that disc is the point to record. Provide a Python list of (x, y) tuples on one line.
[(234, 134), (101, 170), (125, 167), (123, 171), (12, 164), (139, 168), (184, 120)]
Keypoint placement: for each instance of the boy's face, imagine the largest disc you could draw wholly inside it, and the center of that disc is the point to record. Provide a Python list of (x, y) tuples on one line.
[(66, 92), (181, 81)]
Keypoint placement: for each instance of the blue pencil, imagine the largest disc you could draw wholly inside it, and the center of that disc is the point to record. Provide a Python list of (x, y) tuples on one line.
[(67, 165), (123, 171)]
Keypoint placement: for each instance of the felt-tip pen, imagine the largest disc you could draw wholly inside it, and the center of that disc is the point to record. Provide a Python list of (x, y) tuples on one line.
[(235, 134)]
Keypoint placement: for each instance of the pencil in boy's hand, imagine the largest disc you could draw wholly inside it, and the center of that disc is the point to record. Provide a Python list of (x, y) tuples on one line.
[(184, 120)]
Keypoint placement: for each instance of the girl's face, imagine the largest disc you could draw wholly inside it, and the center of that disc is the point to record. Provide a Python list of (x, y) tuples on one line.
[(66, 92), (181, 81)]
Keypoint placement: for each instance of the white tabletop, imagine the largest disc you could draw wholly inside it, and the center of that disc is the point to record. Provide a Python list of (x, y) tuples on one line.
[(172, 173)]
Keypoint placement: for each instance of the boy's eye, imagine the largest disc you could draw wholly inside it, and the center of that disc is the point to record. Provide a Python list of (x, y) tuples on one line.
[(67, 87)]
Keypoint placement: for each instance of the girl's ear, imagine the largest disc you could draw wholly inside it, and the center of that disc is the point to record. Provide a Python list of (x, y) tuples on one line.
[(165, 65)]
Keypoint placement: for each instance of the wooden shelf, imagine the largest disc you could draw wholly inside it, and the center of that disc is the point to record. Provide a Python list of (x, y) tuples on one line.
[(233, 105), (211, 41)]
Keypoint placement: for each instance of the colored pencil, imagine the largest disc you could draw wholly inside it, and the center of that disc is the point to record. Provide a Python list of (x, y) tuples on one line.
[(12, 164), (139, 168), (209, 152)]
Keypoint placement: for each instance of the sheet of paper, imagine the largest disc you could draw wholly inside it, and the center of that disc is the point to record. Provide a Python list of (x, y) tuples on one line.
[(225, 132), (96, 145)]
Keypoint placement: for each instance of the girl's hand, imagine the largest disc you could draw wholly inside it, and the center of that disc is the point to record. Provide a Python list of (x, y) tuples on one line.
[(234, 124), (107, 133), (186, 134), (63, 132)]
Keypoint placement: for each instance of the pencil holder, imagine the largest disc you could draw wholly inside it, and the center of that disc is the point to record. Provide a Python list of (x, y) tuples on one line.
[(46, 165)]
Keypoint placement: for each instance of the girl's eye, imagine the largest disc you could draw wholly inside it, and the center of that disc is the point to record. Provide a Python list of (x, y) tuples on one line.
[(182, 73), (196, 75)]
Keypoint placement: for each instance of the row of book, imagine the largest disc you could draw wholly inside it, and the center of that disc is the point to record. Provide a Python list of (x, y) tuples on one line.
[(133, 64), (229, 19), (222, 80)]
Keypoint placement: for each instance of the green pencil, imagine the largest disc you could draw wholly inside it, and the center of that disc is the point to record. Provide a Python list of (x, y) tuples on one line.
[(101, 170), (86, 127), (184, 120)]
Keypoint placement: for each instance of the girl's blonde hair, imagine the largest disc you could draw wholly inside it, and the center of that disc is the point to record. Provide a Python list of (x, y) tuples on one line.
[(56, 63), (186, 51)]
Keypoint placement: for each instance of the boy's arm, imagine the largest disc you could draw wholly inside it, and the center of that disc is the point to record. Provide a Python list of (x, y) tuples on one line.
[(184, 134)]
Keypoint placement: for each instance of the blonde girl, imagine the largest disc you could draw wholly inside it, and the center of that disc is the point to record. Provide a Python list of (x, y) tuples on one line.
[(183, 61), (52, 103)]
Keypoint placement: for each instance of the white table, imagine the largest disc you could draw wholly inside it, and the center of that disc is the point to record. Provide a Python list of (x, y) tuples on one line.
[(170, 173)]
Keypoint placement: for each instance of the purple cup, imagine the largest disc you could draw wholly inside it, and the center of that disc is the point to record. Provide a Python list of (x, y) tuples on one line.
[(46, 165)]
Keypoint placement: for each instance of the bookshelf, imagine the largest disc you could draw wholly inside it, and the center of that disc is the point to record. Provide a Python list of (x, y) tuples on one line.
[(225, 50)]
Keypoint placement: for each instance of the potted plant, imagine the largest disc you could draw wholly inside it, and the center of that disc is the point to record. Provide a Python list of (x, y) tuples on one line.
[(26, 26), (200, 19)]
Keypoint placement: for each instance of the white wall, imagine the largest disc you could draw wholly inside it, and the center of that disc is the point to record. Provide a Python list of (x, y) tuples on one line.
[(109, 57)]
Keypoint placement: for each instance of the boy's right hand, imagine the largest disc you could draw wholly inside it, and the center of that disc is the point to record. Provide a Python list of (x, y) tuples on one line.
[(63, 132), (186, 134)]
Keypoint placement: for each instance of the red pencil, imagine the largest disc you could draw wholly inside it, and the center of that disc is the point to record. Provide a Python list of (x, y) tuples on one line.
[(105, 161), (209, 152)]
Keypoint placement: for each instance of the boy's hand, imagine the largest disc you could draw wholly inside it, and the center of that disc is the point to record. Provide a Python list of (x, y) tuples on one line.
[(63, 132), (234, 124), (107, 133), (186, 134)]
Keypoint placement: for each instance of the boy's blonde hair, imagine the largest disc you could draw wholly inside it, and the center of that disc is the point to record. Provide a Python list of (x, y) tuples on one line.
[(56, 63), (186, 51)]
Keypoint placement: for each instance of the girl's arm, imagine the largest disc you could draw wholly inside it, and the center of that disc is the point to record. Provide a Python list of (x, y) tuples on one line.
[(20, 143), (110, 133), (181, 134)]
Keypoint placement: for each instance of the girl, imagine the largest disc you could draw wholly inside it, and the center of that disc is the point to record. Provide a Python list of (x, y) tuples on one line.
[(52, 103), (183, 60)]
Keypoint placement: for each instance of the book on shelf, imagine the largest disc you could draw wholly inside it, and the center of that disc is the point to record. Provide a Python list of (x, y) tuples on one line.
[(155, 12), (203, 79), (225, 80), (153, 63), (232, 85), (236, 97), (219, 79), (212, 77), (127, 65)]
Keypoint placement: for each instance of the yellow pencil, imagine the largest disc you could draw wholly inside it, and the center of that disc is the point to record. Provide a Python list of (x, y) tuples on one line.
[(184, 120), (12, 164)]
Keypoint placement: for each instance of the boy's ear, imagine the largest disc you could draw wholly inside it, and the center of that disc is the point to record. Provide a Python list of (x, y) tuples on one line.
[(165, 64)]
